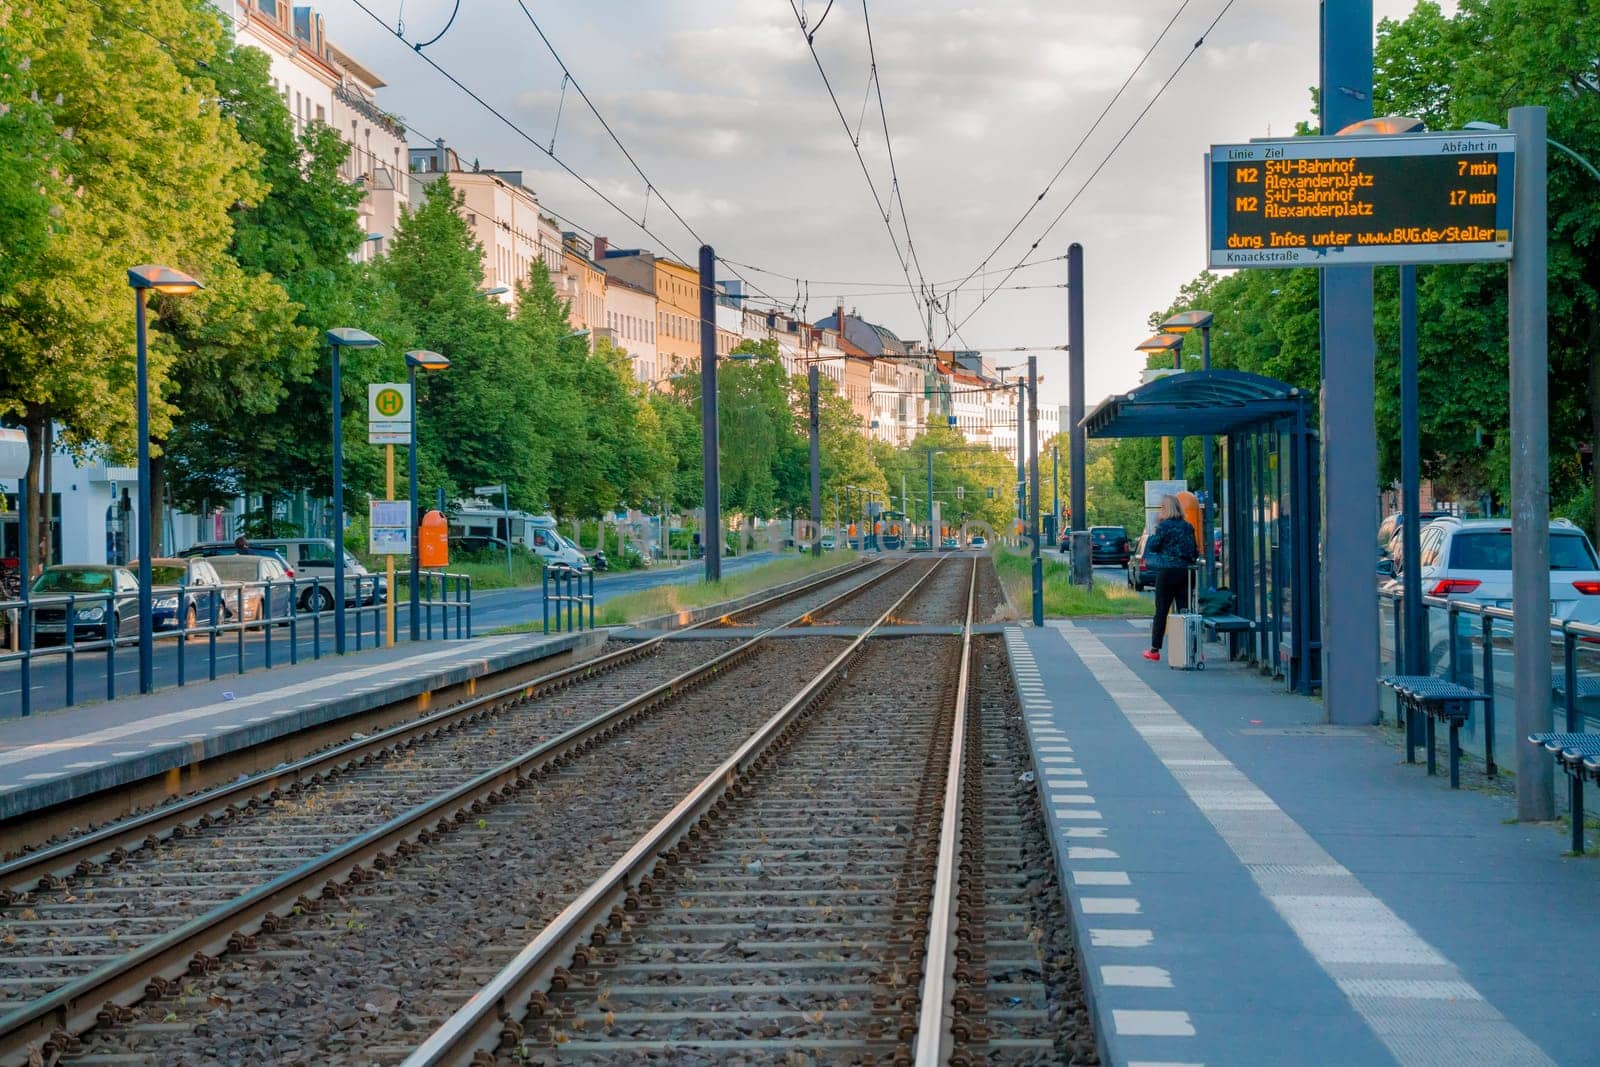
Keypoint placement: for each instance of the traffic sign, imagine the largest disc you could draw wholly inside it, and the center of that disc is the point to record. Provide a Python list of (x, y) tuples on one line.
[(389, 413), (1353, 201)]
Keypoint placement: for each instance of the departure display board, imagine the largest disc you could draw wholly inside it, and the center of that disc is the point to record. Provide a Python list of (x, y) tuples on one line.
[(1350, 201)]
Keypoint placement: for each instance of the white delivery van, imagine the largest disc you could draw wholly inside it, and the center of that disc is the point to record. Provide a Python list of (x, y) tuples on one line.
[(552, 546)]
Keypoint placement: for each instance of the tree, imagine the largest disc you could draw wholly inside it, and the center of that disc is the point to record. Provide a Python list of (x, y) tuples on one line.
[(154, 168), (485, 414)]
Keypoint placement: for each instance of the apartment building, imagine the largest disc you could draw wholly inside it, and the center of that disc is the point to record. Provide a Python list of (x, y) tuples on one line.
[(320, 82), (503, 215), (582, 284), (630, 325)]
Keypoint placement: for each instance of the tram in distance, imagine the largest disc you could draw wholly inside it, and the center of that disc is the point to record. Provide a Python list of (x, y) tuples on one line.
[(891, 529)]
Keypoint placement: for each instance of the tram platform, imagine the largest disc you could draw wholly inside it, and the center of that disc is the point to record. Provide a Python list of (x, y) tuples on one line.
[(55, 757), (1250, 886)]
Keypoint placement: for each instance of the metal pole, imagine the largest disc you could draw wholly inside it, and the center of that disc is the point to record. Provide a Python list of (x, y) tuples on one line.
[(1530, 468), (505, 506), (416, 518), (338, 507), (25, 619), (1349, 431), (1022, 475), (1207, 507), (711, 472), (816, 467), (1055, 490), (147, 647), (388, 560), (1414, 645), (1033, 468), (1082, 573), (1177, 440), (931, 545)]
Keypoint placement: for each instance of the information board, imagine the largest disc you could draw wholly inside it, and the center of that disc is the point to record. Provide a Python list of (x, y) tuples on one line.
[(1349, 201), (389, 527)]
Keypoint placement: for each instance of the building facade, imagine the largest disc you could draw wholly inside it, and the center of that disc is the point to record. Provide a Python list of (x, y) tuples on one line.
[(630, 317), (503, 215)]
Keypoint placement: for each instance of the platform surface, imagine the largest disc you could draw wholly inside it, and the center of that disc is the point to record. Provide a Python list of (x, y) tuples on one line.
[(70, 752), (1249, 886)]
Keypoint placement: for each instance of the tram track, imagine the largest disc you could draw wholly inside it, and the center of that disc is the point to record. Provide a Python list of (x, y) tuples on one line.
[(96, 922), (800, 901)]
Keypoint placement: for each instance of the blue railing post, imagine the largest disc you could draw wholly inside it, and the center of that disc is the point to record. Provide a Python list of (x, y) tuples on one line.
[(1452, 617), (316, 617), (1488, 705), (266, 622), (216, 601), (591, 600), (110, 627), (70, 634), (1569, 676), (468, 579), (239, 644), (183, 625), (294, 618), (544, 596), (427, 600), (25, 616)]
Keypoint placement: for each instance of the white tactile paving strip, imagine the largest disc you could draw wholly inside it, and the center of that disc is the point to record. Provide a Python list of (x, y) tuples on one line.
[(1101, 889), (1388, 972)]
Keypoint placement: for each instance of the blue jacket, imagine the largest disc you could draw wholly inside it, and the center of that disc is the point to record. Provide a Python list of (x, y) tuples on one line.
[(1171, 545)]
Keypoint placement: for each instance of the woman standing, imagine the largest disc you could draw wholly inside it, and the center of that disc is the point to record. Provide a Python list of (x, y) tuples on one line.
[(1170, 551)]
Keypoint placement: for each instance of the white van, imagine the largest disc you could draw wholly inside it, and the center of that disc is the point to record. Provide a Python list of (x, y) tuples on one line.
[(552, 546)]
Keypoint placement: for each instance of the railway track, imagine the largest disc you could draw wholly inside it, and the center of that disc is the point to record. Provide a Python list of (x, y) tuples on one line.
[(97, 922), (800, 903)]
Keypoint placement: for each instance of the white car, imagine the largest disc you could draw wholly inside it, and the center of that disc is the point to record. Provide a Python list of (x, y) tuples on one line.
[(1470, 559), (827, 542)]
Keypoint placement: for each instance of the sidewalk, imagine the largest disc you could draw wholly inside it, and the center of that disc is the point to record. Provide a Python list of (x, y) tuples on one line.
[(1250, 886), (58, 755)]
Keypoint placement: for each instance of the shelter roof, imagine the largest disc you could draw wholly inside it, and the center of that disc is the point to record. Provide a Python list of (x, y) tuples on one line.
[(1198, 402)]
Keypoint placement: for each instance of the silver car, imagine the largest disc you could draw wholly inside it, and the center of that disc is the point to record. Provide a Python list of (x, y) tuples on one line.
[(1470, 560)]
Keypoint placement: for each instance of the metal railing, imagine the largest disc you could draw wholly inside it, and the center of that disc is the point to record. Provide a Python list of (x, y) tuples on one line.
[(1470, 644), (564, 581), (251, 624)]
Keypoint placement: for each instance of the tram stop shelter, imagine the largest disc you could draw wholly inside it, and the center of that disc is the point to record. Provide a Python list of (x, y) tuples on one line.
[(1269, 501)]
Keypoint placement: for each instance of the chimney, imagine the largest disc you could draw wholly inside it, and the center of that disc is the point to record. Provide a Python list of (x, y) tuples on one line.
[(838, 319), (600, 246)]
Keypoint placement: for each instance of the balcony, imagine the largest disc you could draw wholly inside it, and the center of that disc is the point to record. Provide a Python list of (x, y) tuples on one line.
[(359, 103)]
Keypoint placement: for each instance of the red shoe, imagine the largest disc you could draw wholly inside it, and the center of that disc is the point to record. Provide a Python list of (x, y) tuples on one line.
[(1152, 655)]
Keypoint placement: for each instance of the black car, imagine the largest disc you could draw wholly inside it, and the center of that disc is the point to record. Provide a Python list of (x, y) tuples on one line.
[(1109, 544), (104, 601)]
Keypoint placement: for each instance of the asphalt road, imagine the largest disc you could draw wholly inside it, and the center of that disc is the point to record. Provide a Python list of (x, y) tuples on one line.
[(491, 610)]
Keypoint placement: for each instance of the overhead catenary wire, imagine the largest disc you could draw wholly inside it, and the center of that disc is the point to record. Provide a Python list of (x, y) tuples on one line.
[(1190, 54), (917, 296)]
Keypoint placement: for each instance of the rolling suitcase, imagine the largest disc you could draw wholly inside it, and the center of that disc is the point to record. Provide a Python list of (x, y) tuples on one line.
[(1185, 637)]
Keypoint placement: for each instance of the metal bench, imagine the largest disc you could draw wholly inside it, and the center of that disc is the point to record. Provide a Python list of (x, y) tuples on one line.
[(1579, 756), (1437, 699), (1232, 626)]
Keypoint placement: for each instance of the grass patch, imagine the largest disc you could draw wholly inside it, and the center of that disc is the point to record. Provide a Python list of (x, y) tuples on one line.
[(1061, 597), (683, 596)]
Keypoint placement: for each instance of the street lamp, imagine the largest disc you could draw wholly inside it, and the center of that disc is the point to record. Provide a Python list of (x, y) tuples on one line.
[(174, 283), (341, 337), (1167, 342), (1180, 324), (931, 453), (494, 290), (1557, 145), (427, 362)]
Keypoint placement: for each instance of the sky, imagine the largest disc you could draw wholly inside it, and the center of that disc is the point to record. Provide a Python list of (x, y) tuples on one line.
[(722, 108)]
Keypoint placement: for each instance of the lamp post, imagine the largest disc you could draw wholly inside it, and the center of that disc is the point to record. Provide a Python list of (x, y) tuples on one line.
[(931, 453), (338, 338), (1167, 342), (1180, 324), (427, 362), (162, 280)]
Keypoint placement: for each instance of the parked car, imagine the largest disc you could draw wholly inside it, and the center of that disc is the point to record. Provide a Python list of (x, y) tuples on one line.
[(978, 541), (558, 551), (305, 558), (1138, 567), (828, 542), (476, 544), (1470, 560), (107, 603), (1108, 544), (949, 542), (186, 594), (245, 578), (1390, 530)]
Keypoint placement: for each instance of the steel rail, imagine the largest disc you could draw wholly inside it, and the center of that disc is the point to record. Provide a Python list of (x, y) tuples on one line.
[(491, 1016), (935, 1013), (46, 868), (54, 1019)]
